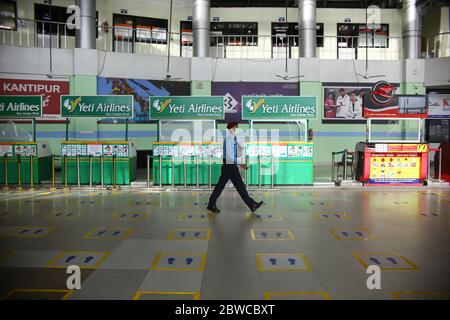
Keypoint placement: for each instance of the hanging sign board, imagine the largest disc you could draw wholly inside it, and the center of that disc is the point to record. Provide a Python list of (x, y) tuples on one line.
[(97, 106), (279, 108), (187, 108), (16, 107)]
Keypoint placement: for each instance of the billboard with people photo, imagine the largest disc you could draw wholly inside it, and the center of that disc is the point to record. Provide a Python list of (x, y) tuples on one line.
[(343, 102)]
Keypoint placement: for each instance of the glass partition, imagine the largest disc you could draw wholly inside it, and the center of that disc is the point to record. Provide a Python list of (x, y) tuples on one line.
[(187, 130), (394, 130), (279, 130)]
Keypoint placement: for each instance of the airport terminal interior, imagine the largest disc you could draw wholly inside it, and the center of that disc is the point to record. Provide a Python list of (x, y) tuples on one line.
[(118, 119)]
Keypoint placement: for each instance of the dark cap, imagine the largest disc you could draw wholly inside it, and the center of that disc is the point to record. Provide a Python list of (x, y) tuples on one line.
[(231, 125)]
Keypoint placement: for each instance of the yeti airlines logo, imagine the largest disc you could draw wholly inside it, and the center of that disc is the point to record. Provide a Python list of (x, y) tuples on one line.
[(71, 106), (253, 106), (161, 106)]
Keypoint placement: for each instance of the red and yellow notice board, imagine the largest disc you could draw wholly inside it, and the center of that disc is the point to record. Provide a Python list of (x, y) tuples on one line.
[(395, 164)]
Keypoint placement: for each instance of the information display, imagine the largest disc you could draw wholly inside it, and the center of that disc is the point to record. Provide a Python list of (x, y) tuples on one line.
[(404, 168), (281, 150), (393, 164), (85, 149), (188, 149)]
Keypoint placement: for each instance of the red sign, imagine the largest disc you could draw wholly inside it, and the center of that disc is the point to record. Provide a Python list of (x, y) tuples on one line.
[(383, 102), (50, 90)]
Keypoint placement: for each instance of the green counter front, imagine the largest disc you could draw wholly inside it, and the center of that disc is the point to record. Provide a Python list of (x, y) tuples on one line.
[(186, 157), (25, 152), (290, 162), (124, 152)]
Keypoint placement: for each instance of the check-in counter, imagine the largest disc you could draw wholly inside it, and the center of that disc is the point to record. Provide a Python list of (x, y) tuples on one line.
[(15, 154), (93, 158), (287, 163), (189, 163)]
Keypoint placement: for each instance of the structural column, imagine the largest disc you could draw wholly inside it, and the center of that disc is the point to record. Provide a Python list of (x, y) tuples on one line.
[(85, 37), (307, 28), (201, 26), (411, 30)]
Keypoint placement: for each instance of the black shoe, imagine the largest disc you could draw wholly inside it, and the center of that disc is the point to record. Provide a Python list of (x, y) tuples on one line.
[(213, 208), (257, 205)]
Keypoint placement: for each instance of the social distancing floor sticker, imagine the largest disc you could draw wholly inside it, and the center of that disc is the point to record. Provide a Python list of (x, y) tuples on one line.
[(352, 234), (332, 216), (29, 232), (61, 215), (296, 295), (83, 259), (271, 262), (263, 216), (166, 295), (384, 260), (189, 234), (179, 261), (129, 216), (110, 233), (197, 217), (38, 294), (271, 234)]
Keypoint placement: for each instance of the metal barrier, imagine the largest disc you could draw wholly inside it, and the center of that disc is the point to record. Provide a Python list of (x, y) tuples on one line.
[(90, 170), (196, 170), (78, 171), (53, 173), (5, 164), (160, 171), (247, 172), (65, 173), (184, 172), (148, 171), (31, 174), (19, 174), (173, 170), (210, 172)]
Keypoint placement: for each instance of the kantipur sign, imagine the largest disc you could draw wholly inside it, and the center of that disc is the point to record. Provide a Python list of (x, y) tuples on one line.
[(97, 106), (20, 107), (279, 107)]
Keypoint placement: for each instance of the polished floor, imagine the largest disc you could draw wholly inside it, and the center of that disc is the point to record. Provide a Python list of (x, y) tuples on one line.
[(302, 244)]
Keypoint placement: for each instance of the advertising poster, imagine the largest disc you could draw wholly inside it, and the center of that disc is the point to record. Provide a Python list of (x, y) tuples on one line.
[(141, 90), (233, 92), (384, 102), (50, 90), (395, 169), (439, 106), (343, 102)]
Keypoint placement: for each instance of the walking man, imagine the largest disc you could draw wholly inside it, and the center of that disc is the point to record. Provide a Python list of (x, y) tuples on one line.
[(230, 171)]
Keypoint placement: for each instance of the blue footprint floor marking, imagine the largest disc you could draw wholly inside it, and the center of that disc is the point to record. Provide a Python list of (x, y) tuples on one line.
[(392, 260)]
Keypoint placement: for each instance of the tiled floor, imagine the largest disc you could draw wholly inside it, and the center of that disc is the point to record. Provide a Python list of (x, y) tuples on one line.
[(302, 244)]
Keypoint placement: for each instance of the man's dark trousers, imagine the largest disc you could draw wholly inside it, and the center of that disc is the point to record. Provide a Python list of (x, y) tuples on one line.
[(231, 172)]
